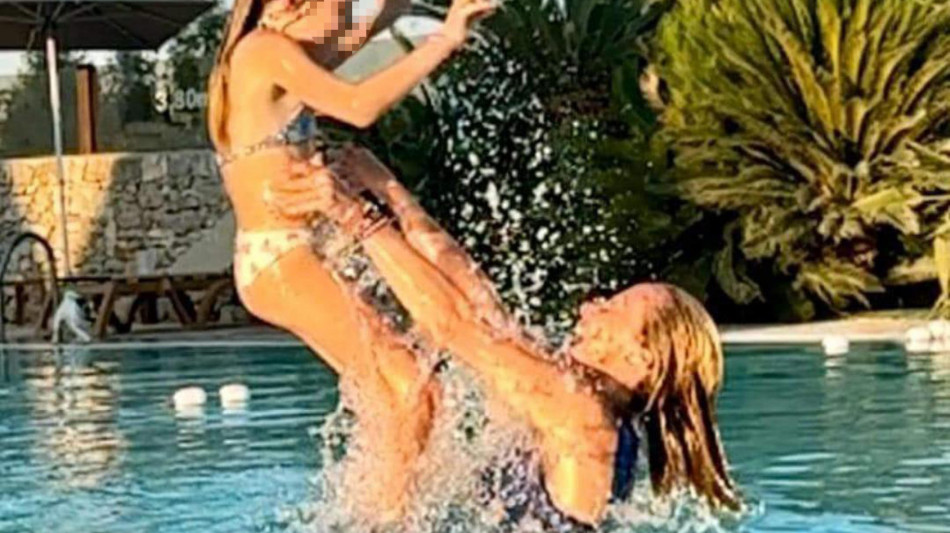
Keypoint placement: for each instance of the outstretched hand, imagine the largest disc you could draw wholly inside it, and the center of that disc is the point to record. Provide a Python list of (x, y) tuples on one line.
[(462, 15)]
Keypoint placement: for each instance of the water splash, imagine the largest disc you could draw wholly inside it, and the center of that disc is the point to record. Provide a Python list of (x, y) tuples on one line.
[(465, 444), (474, 444), (456, 486)]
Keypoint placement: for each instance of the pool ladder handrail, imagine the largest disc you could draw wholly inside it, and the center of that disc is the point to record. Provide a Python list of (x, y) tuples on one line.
[(7, 256)]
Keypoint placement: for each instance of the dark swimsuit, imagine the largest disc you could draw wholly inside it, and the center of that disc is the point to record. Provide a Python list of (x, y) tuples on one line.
[(519, 486)]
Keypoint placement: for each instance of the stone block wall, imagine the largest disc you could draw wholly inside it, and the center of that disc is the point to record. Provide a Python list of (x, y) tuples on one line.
[(127, 212)]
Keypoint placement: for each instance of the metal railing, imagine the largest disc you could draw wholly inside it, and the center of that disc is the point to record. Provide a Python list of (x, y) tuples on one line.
[(7, 256)]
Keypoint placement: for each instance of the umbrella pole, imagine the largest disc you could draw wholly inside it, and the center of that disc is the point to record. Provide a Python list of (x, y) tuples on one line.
[(56, 106)]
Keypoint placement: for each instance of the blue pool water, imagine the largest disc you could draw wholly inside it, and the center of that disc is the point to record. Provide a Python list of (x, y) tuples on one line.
[(89, 443)]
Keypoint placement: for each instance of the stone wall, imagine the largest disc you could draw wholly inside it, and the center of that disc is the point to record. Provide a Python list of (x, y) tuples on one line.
[(130, 212)]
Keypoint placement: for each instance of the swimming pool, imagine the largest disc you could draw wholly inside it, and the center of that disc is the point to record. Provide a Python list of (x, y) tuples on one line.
[(88, 442)]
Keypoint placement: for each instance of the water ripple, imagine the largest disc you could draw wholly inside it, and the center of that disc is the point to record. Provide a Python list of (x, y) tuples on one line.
[(90, 442)]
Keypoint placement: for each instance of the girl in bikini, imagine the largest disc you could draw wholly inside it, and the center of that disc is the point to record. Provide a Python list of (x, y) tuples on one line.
[(646, 362), (273, 76)]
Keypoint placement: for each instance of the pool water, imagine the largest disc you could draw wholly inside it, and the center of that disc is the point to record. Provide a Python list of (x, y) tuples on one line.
[(859, 443), (89, 442)]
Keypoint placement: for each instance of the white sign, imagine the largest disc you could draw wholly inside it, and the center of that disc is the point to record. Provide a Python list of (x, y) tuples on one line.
[(188, 100)]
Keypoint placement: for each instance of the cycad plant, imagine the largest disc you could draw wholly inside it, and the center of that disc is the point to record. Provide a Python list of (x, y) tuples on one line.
[(822, 128)]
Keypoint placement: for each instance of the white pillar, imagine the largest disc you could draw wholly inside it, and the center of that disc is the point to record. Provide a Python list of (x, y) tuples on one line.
[(56, 107)]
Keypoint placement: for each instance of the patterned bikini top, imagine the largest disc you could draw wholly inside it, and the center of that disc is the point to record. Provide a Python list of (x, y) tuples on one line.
[(301, 131)]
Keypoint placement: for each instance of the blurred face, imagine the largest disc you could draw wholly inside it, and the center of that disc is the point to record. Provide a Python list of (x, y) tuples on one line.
[(319, 21)]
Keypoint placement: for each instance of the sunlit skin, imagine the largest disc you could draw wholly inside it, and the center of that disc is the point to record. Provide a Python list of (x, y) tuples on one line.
[(575, 430), (452, 302), (272, 74), (573, 418)]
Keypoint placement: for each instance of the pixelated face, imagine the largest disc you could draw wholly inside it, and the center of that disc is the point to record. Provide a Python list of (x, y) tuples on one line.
[(325, 21), (360, 14)]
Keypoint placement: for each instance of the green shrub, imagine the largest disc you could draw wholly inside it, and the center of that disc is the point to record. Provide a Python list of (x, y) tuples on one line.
[(821, 129), (542, 154), (26, 127)]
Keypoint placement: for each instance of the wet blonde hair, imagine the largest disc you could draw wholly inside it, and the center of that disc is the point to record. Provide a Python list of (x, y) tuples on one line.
[(674, 339), (245, 15), (680, 418)]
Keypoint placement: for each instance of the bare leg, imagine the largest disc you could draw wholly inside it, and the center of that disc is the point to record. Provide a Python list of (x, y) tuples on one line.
[(396, 401)]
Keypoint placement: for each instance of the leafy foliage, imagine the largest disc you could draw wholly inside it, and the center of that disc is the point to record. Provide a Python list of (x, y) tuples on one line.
[(129, 83), (192, 52), (27, 125), (822, 128), (542, 161), (942, 266)]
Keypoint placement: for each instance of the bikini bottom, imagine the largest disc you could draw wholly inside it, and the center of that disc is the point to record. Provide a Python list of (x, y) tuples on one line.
[(255, 251)]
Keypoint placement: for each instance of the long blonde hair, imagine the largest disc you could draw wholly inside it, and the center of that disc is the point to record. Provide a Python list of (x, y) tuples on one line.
[(663, 331), (680, 412), (244, 18)]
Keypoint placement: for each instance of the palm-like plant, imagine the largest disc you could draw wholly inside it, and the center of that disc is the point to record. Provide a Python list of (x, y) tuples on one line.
[(823, 126)]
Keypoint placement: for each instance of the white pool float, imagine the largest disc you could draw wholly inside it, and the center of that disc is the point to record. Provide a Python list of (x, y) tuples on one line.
[(189, 397), (918, 340), (835, 345), (234, 394), (918, 335), (939, 329), (916, 346)]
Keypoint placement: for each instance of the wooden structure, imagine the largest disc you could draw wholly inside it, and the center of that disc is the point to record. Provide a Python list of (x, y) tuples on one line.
[(87, 85), (104, 292)]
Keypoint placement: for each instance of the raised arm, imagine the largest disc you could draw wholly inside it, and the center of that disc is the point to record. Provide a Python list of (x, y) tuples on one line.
[(360, 104)]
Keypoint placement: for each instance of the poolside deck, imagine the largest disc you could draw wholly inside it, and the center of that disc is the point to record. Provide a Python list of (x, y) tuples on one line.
[(875, 329), (871, 329)]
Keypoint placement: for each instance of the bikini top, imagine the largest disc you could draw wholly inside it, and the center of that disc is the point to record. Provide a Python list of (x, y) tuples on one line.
[(300, 130)]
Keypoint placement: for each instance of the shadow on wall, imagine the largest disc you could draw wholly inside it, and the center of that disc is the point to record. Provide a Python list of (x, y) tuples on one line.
[(22, 198), (138, 213), (127, 213)]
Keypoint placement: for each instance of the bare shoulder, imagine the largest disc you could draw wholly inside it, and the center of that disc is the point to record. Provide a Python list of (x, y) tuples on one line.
[(261, 47)]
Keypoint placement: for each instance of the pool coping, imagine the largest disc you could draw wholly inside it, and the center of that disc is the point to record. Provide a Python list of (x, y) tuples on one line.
[(858, 330)]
